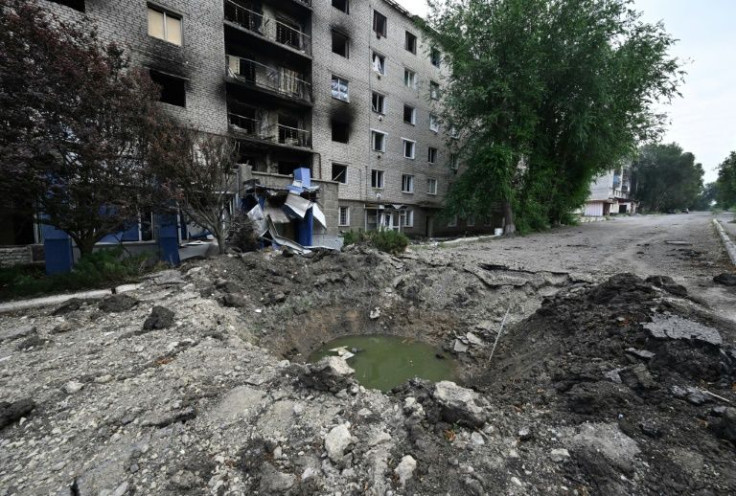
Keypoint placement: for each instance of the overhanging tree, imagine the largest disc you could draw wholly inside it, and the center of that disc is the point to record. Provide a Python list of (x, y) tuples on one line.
[(76, 123), (549, 93)]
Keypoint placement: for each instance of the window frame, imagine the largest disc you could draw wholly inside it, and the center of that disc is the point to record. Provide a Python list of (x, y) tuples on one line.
[(376, 18), (382, 62), (410, 76), (166, 14), (434, 90), (432, 154), (434, 123), (406, 141), (344, 172), (347, 88), (407, 217), (410, 42), (332, 131), (379, 177), (340, 210), (382, 97), (413, 116), (340, 34), (407, 183), (435, 57), (452, 222), (374, 133), (432, 181), (346, 10)]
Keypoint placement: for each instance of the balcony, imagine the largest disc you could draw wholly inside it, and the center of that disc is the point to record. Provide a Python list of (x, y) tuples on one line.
[(271, 29), (279, 80), (253, 128)]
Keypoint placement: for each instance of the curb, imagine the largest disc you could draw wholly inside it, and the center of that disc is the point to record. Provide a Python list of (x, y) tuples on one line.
[(727, 242), (13, 306)]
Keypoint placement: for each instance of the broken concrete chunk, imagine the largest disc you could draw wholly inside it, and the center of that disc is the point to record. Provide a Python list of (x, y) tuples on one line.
[(168, 418), (167, 278), (473, 339), (459, 405), (72, 305), (643, 354), (638, 377), (559, 455), (459, 347), (668, 284), (329, 374), (674, 327), (11, 412), (117, 303), (608, 441), (337, 441), (72, 387), (275, 482), (375, 313), (405, 469), (160, 318), (727, 279)]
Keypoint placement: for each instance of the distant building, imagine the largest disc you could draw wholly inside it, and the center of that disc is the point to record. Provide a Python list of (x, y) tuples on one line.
[(609, 194)]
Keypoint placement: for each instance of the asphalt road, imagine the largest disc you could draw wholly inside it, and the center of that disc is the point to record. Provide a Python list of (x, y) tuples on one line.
[(685, 247)]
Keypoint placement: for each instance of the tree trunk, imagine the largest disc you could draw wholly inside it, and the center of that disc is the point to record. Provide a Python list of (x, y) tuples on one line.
[(508, 217), (85, 245)]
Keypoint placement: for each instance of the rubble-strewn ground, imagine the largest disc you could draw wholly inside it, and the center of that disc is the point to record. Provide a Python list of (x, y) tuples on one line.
[(603, 382)]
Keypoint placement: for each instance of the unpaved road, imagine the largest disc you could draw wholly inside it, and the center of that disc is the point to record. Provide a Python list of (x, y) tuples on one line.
[(685, 247)]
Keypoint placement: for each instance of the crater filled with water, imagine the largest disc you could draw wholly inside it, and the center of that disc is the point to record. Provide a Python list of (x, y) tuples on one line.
[(383, 362)]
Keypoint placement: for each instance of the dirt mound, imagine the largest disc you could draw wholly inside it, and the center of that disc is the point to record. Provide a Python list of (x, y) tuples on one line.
[(625, 351)]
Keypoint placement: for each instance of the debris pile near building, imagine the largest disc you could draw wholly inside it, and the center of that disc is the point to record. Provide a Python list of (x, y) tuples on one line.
[(181, 387)]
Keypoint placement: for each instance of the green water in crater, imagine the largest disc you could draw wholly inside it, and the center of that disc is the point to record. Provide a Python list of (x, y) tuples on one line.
[(384, 362)]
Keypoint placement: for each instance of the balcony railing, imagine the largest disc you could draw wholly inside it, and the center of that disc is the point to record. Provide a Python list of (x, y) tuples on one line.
[(254, 128), (269, 28), (278, 79), (293, 136)]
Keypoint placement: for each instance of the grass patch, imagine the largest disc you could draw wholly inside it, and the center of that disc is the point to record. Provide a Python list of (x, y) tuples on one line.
[(104, 268)]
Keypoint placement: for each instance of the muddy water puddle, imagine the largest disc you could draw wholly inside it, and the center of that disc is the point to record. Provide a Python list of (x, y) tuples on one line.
[(383, 362)]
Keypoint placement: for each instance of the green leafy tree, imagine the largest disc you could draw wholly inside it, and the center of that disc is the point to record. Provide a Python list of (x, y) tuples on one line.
[(726, 182), (76, 123), (666, 178), (707, 197), (547, 93)]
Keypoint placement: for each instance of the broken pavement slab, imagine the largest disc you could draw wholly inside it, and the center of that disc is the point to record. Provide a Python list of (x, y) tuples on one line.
[(676, 327)]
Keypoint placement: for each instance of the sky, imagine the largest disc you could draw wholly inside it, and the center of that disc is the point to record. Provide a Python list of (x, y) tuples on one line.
[(703, 120)]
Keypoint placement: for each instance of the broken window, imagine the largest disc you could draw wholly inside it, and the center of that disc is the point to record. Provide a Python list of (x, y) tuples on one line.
[(340, 44), (410, 114), (340, 89), (434, 90), (164, 26), (74, 4), (344, 216), (340, 173), (173, 89), (378, 141), (342, 5), (407, 218), (287, 168), (407, 183), (379, 63), (434, 123), (409, 148), (410, 79), (435, 57), (410, 43), (431, 186), (378, 103), (340, 131), (432, 155), (376, 178), (379, 24)]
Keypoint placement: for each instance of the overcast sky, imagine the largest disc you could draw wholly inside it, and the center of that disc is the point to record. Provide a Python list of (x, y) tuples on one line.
[(703, 121)]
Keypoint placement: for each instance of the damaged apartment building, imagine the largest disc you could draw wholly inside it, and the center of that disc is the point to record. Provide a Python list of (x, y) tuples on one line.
[(347, 89)]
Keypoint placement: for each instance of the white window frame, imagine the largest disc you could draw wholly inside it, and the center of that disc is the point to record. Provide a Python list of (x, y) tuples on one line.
[(165, 31), (340, 211), (413, 119), (429, 155), (336, 93), (378, 63), (375, 132), (382, 110), (432, 186), (404, 142), (410, 78), (434, 123), (407, 183), (379, 175), (407, 218)]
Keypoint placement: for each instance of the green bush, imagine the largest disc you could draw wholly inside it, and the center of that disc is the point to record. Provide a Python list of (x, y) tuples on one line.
[(393, 242), (102, 268)]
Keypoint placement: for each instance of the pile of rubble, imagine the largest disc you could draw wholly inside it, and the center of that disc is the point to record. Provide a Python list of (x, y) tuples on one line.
[(182, 387)]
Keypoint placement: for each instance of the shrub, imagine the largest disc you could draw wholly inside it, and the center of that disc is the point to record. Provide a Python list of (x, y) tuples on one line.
[(393, 242)]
